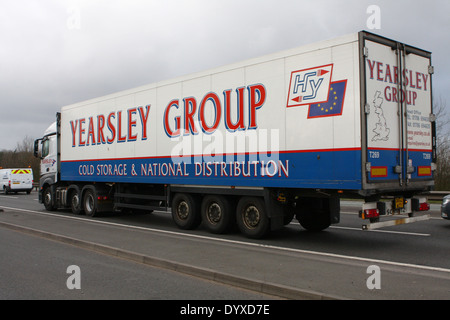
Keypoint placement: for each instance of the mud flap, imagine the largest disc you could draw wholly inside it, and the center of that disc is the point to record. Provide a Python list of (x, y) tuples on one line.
[(275, 211), (335, 210)]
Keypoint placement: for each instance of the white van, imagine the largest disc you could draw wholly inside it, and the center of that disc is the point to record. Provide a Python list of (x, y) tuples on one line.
[(16, 180)]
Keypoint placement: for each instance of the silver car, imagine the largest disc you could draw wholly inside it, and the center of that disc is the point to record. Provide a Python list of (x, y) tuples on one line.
[(445, 209)]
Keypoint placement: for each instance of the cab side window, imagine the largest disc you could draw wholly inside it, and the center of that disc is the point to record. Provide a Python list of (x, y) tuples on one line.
[(45, 148)]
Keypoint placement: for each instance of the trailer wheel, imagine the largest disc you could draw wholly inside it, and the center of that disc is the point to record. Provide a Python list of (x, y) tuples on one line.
[(185, 211), (216, 214), (251, 217), (48, 199), (315, 222), (75, 202), (90, 203), (289, 213)]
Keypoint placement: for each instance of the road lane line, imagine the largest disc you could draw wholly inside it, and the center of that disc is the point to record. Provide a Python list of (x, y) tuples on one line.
[(378, 230), (385, 231), (257, 285), (250, 244)]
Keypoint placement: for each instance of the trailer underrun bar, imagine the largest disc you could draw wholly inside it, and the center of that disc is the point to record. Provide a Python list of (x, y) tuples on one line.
[(396, 222)]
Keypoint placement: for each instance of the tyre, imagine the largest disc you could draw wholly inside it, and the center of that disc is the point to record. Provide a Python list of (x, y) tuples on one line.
[(314, 225), (90, 203), (185, 211), (289, 214), (75, 202), (251, 217), (315, 222), (217, 215), (47, 198), (314, 214)]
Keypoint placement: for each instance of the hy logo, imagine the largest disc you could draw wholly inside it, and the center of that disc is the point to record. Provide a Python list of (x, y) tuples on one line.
[(310, 86)]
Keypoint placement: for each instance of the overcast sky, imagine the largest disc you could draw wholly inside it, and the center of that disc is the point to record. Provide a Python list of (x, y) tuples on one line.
[(55, 53)]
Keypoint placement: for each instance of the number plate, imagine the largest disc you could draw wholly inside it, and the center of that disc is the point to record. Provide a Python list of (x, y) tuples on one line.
[(399, 203)]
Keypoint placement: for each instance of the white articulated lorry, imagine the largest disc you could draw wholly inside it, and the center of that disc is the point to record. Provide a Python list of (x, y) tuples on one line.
[(256, 143)]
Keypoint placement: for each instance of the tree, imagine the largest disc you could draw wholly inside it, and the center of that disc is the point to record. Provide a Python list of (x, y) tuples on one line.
[(442, 173), (21, 157)]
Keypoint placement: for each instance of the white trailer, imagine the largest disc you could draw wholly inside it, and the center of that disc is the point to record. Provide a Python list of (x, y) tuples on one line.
[(257, 142), (16, 180)]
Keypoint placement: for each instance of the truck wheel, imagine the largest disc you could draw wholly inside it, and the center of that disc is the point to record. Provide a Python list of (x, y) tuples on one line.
[(216, 214), (48, 199), (75, 203), (185, 211), (90, 203), (251, 217), (315, 222), (289, 214)]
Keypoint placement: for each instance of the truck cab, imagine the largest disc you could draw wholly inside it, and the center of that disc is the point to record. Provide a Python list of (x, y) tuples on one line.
[(46, 149)]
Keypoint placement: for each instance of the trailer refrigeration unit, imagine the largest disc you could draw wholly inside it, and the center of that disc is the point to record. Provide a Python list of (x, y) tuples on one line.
[(257, 143)]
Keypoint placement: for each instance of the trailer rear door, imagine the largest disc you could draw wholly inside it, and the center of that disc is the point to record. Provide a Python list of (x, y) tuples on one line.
[(398, 113), (21, 179)]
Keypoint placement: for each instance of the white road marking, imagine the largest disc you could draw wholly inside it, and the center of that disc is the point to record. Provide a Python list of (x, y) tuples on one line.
[(250, 244), (385, 231)]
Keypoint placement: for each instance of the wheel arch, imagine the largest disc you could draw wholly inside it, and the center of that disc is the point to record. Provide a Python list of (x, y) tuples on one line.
[(73, 187)]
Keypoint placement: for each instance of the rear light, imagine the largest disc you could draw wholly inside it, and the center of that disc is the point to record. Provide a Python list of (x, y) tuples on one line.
[(420, 204), (370, 213), (424, 207), (102, 198)]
